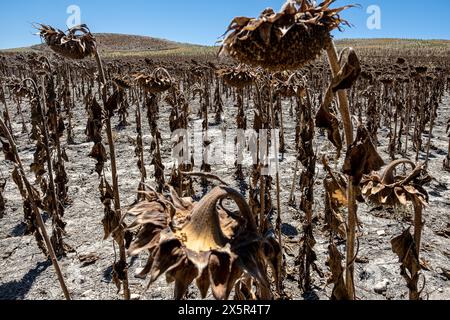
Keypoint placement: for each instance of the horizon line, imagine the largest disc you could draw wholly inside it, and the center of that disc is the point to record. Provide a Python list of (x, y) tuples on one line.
[(206, 45)]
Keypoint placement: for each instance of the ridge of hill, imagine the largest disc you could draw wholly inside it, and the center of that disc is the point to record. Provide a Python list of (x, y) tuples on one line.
[(122, 45)]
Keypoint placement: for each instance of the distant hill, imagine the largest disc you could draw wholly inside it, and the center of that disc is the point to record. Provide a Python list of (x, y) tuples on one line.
[(122, 42), (394, 43), (111, 44), (121, 45)]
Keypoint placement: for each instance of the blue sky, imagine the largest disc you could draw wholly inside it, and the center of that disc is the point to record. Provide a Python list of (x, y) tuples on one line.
[(204, 21)]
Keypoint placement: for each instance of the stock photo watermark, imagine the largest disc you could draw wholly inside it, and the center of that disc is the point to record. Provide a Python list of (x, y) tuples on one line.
[(74, 18), (227, 148), (374, 19)]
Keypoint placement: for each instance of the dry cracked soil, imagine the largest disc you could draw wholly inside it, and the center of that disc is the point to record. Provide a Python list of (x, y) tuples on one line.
[(26, 274)]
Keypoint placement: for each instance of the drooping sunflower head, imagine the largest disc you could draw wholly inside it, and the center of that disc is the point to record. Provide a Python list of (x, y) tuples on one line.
[(239, 77), (122, 82), (158, 81), (201, 241), (285, 40), (78, 43), (18, 88), (397, 190), (289, 85)]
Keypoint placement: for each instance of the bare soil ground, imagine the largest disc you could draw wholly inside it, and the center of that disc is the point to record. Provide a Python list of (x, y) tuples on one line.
[(25, 273)]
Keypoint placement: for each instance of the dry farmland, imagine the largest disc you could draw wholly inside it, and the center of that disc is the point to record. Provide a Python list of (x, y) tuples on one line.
[(95, 205)]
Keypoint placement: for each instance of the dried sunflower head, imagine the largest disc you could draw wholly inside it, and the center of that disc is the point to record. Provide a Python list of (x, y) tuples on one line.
[(158, 81), (401, 61), (285, 40), (200, 241), (239, 77), (71, 44), (197, 71), (391, 190), (18, 88), (421, 69), (121, 82), (289, 86)]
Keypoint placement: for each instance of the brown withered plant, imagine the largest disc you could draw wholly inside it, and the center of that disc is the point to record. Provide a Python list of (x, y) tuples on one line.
[(203, 241), (2, 198), (390, 190), (32, 199), (288, 40), (71, 44), (79, 43)]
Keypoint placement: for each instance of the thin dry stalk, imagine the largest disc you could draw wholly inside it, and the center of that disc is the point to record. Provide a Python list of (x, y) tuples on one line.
[(115, 178), (278, 189), (204, 175), (39, 219), (430, 133), (352, 207), (2, 198), (54, 206)]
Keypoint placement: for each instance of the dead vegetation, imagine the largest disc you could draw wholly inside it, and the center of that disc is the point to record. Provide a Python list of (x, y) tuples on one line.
[(235, 251)]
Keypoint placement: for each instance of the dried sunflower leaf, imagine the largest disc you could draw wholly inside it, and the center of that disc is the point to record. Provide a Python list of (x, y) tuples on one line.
[(405, 248), (335, 262), (349, 73), (328, 121), (362, 157)]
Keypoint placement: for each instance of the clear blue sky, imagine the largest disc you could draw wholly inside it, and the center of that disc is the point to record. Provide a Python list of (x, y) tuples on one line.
[(204, 21)]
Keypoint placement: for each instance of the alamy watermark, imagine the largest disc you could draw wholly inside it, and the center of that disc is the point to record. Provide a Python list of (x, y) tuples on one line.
[(374, 20), (227, 148), (74, 18)]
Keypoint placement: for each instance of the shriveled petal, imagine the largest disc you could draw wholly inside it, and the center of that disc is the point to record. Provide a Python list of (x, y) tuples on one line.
[(377, 189), (401, 196), (251, 261), (168, 254), (383, 199), (219, 271), (241, 21), (410, 189), (264, 31), (203, 283), (367, 187), (183, 274)]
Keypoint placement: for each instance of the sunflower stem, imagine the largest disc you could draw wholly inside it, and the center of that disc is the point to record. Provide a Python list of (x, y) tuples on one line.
[(277, 178), (414, 293), (430, 135), (418, 225), (36, 212), (344, 109), (56, 215), (6, 111), (115, 182)]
